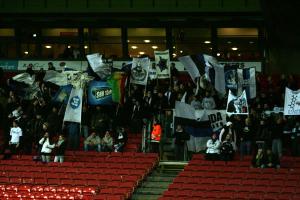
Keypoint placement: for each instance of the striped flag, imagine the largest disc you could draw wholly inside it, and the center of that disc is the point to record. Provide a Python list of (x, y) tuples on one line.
[(74, 106), (247, 81)]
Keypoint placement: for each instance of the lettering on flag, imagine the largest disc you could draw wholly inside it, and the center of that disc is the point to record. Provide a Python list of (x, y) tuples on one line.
[(292, 102), (74, 106), (217, 118)]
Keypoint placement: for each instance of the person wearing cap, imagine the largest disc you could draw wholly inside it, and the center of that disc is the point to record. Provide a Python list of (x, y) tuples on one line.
[(213, 148), (228, 129)]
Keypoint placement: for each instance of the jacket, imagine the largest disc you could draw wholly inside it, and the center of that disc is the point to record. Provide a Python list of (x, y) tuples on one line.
[(156, 133)]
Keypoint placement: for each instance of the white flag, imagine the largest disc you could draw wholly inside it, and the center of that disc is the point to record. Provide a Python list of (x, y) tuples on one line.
[(237, 105), (73, 110), (162, 61), (25, 78), (139, 71), (103, 70), (292, 102)]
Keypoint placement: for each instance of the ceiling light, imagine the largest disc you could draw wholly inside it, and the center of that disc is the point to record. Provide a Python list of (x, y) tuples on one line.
[(218, 54), (174, 54), (147, 41), (181, 51), (234, 48), (229, 42), (134, 47), (26, 52), (207, 42), (86, 47), (128, 41), (48, 47), (154, 47), (141, 53), (239, 54), (69, 47), (174, 47), (251, 42), (34, 35)]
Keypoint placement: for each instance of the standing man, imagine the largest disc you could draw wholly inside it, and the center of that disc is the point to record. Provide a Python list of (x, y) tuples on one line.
[(16, 134)]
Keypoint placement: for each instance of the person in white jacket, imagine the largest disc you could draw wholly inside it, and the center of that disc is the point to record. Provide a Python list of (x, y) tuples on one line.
[(46, 148), (213, 148)]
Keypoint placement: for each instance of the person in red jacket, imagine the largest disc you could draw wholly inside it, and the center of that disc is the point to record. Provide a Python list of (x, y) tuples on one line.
[(156, 136)]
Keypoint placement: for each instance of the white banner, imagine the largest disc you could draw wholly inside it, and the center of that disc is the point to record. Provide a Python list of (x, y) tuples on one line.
[(190, 66), (217, 118), (24, 78), (237, 105), (59, 65), (292, 102), (73, 110), (162, 61), (139, 71)]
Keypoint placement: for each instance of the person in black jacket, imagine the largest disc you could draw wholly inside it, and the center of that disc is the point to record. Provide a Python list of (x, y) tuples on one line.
[(60, 149), (180, 140)]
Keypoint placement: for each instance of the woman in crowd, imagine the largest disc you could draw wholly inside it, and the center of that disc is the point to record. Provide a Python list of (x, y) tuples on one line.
[(47, 148), (213, 148), (107, 142), (60, 149)]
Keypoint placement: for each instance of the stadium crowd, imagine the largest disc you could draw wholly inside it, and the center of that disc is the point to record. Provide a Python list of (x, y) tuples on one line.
[(36, 126)]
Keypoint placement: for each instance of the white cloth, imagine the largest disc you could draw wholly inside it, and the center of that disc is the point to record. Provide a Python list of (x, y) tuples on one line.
[(16, 133), (213, 147), (47, 147)]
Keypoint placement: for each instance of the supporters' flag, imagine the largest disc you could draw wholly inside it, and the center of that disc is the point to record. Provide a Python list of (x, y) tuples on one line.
[(101, 68), (139, 70), (74, 106), (217, 118), (195, 124), (231, 78), (152, 73), (194, 65), (162, 62), (217, 77), (117, 83), (292, 102), (24, 78), (246, 81), (237, 105), (62, 95), (99, 93)]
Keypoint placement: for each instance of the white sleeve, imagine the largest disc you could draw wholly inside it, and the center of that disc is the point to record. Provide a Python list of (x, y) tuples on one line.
[(221, 134), (209, 143), (41, 141), (20, 132)]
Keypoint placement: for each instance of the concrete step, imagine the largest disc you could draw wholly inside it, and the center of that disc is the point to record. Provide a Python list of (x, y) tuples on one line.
[(155, 185), (160, 179), (150, 191)]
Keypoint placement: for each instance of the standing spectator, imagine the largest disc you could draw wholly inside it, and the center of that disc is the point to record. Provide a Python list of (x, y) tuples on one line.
[(213, 148), (27, 138), (156, 136), (93, 142), (73, 135), (47, 148), (180, 142), (276, 134), (208, 102), (136, 118), (16, 134), (107, 142), (246, 136), (60, 149), (121, 140)]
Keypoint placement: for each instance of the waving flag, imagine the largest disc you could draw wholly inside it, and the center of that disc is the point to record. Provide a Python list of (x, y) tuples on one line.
[(292, 102), (139, 70), (247, 81), (162, 61), (117, 83), (237, 105), (74, 106), (101, 68)]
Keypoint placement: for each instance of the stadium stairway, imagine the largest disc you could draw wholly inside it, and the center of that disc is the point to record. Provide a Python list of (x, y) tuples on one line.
[(153, 187)]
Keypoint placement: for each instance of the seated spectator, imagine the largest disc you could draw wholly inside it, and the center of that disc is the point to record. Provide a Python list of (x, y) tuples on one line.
[(213, 148), (258, 159), (92, 142), (121, 140), (107, 142), (271, 160), (47, 148), (60, 149), (226, 149)]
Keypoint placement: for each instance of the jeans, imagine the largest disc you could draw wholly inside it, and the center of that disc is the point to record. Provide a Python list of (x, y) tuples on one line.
[(245, 148), (277, 147), (59, 159), (45, 157), (88, 147)]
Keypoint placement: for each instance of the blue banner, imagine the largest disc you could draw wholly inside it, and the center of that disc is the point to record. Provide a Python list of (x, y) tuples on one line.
[(99, 93), (9, 65)]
